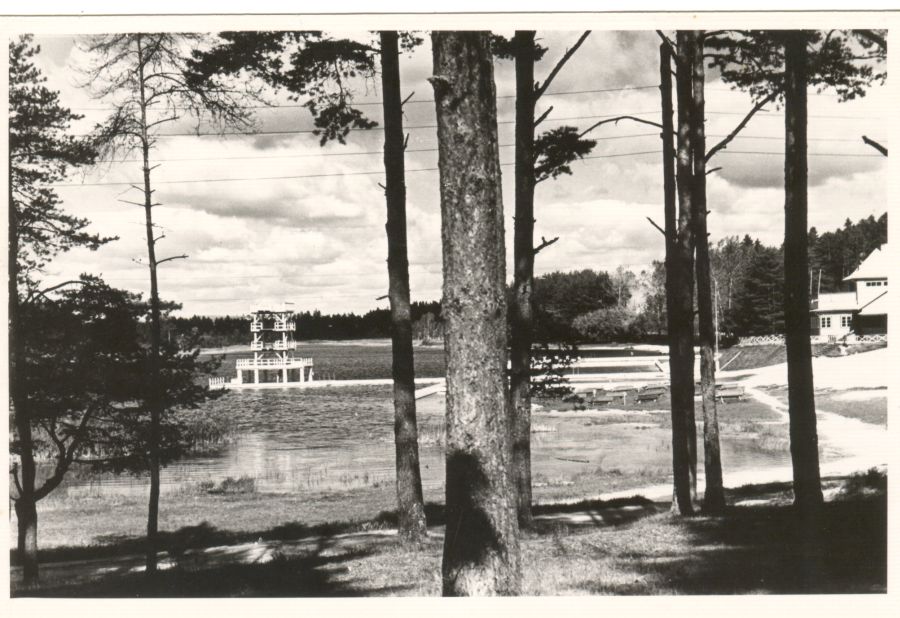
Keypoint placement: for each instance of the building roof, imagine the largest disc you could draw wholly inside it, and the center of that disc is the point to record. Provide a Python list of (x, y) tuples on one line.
[(841, 301), (876, 306), (873, 267)]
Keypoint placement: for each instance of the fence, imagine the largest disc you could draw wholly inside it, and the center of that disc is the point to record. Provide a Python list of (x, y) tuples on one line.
[(761, 340), (850, 339)]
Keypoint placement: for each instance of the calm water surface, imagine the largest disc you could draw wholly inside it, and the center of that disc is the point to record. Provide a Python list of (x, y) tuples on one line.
[(333, 439)]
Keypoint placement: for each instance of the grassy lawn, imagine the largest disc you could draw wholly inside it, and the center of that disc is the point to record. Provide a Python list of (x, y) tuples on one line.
[(751, 357), (865, 404), (868, 405), (630, 547)]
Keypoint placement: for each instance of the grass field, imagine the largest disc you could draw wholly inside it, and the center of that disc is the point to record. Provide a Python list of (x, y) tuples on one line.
[(752, 357)]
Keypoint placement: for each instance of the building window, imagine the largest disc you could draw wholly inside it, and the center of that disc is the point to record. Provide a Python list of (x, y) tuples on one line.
[(875, 284), (845, 321), (826, 322)]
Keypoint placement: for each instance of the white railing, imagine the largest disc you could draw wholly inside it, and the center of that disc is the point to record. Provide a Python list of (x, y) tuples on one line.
[(866, 339), (279, 326), (256, 346), (217, 382), (249, 363)]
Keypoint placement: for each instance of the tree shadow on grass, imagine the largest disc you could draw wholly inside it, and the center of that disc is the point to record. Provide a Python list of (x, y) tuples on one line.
[(767, 549), (317, 569), (594, 513)]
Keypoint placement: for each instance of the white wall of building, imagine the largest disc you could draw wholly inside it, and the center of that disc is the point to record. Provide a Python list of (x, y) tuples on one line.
[(835, 323)]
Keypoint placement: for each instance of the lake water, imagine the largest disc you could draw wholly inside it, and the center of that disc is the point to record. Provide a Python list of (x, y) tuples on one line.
[(327, 439)]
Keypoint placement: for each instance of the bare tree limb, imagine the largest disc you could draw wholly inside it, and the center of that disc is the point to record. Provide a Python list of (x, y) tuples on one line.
[(743, 123), (875, 145), (711, 170), (616, 121), (403, 102), (543, 116), (541, 89), (382, 297), (544, 244), (169, 259), (654, 224)]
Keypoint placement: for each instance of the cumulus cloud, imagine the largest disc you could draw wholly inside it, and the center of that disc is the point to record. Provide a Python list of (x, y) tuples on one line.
[(276, 217)]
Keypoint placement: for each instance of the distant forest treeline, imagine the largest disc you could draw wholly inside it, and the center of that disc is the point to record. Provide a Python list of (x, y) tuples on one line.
[(596, 306)]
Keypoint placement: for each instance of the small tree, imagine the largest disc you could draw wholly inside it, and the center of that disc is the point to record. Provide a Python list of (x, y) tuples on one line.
[(39, 154), (481, 547), (147, 81)]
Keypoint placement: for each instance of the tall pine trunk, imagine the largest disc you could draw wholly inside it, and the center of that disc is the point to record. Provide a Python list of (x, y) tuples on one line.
[(154, 400), (481, 548), (680, 286), (25, 502), (801, 400), (714, 493), (521, 310), (410, 505)]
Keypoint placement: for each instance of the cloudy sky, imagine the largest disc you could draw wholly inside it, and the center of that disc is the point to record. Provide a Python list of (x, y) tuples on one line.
[(276, 218)]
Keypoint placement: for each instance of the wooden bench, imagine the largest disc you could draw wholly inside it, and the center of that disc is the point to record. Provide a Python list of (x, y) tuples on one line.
[(649, 396), (601, 399), (734, 393)]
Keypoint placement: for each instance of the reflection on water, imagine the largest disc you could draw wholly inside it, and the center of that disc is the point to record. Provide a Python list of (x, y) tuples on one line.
[(298, 441)]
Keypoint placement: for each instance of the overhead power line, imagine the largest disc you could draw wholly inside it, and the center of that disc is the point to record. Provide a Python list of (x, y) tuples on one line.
[(559, 93), (429, 169), (417, 150)]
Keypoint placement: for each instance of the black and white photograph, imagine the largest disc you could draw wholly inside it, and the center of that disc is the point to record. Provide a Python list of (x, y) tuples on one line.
[(525, 305)]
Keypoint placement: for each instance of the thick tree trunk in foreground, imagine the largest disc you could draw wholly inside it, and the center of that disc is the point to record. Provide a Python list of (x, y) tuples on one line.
[(481, 548), (521, 310), (410, 506), (801, 400), (680, 286), (155, 400), (714, 493)]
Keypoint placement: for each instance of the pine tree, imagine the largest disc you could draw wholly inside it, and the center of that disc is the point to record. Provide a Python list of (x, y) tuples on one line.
[(322, 70), (40, 153), (481, 547)]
